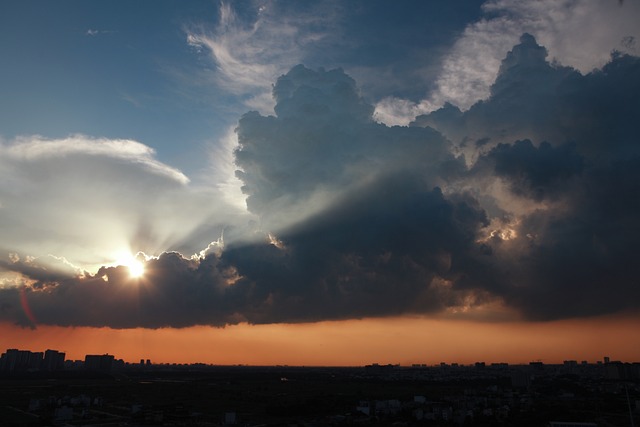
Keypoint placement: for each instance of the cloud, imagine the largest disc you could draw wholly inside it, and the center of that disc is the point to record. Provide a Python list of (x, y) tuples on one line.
[(93, 32), (36, 148), (527, 202), (322, 144), (471, 67), (355, 225)]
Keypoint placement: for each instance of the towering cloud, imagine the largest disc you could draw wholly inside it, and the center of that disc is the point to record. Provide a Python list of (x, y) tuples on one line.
[(324, 144), (527, 200)]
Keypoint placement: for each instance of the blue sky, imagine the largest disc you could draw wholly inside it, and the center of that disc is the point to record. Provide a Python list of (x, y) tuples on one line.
[(112, 70), (126, 69), (431, 154)]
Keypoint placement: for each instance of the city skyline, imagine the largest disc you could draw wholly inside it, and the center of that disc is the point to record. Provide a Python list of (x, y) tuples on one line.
[(325, 183), (14, 360)]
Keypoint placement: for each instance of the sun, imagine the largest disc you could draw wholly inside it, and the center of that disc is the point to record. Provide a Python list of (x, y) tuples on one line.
[(133, 263), (136, 269)]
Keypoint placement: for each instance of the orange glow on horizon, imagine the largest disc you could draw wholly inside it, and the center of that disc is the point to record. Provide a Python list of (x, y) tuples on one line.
[(346, 343)]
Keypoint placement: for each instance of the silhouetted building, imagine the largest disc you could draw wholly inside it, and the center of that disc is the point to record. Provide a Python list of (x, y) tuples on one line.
[(53, 360), (537, 366), (98, 362), (34, 362), (118, 365), (622, 371), (15, 360)]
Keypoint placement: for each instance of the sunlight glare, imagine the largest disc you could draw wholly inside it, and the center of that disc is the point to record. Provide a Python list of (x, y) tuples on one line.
[(133, 263), (136, 268)]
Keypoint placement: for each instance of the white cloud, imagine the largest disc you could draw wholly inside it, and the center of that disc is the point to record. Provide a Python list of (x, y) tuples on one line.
[(249, 56), (397, 111), (34, 148), (91, 32)]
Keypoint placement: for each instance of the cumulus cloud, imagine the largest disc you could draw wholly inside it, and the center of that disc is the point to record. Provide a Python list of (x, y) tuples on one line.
[(528, 200), (567, 254), (322, 144)]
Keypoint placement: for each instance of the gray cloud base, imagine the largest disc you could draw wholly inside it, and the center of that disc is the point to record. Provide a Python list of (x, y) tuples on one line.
[(528, 199)]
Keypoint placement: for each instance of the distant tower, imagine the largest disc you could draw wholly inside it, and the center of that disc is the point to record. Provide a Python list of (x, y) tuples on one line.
[(606, 359)]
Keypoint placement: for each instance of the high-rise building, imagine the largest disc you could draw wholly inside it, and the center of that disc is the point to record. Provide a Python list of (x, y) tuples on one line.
[(53, 360), (98, 362), (15, 360), (34, 361)]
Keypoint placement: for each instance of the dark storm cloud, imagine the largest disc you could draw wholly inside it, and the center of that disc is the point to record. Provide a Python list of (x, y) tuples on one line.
[(175, 292), (360, 219), (573, 254), (378, 252), (581, 260), (384, 234)]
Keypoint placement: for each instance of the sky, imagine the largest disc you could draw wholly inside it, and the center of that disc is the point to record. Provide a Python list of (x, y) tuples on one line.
[(321, 183)]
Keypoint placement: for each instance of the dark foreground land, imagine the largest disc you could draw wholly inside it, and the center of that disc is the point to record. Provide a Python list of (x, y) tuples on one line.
[(294, 396)]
